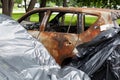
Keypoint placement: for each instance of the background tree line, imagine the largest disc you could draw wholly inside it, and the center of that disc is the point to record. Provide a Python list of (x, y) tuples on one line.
[(7, 5)]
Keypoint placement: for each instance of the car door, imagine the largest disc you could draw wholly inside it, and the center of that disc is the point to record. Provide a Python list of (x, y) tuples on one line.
[(60, 34)]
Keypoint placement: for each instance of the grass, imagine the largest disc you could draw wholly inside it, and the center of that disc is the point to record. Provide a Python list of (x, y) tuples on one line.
[(118, 21), (88, 19), (16, 16)]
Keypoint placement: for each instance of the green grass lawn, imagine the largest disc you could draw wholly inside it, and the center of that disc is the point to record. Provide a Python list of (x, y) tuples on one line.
[(88, 20), (16, 16), (118, 21)]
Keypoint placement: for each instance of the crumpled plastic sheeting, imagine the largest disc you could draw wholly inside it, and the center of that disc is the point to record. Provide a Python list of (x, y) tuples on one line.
[(24, 58), (115, 15), (100, 58)]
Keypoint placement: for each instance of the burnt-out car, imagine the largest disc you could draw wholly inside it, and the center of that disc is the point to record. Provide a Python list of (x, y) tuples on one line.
[(62, 29)]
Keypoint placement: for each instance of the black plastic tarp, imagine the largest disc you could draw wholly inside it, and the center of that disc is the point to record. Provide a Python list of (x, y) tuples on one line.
[(22, 57), (99, 58)]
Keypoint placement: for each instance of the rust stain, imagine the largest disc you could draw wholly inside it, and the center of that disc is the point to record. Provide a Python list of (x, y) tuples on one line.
[(61, 40)]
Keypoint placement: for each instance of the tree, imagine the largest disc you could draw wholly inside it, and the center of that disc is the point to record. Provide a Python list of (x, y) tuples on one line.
[(65, 3), (7, 7), (30, 6), (43, 3)]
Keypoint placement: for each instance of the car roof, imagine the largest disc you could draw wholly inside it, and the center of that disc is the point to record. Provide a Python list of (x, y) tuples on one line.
[(92, 11), (78, 9)]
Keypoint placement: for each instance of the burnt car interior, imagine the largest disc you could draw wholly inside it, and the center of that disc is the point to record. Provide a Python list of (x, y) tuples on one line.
[(65, 22), (57, 24), (76, 24)]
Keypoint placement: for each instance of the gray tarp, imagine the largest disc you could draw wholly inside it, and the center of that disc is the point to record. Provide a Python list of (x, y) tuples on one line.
[(24, 58)]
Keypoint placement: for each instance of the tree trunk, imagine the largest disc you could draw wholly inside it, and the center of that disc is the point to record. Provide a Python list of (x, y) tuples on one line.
[(63, 17), (64, 3), (25, 5), (31, 5), (42, 4), (7, 7)]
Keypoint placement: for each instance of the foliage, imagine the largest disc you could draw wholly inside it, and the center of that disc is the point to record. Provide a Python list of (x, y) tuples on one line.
[(99, 3), (90, 3), (82, 3), (18, 1)]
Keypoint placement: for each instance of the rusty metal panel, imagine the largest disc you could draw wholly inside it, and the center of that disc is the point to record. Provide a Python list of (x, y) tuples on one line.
[(59, 45)]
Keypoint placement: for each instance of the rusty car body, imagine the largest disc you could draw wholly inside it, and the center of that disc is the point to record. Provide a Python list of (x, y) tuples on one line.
[(60, 37)]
